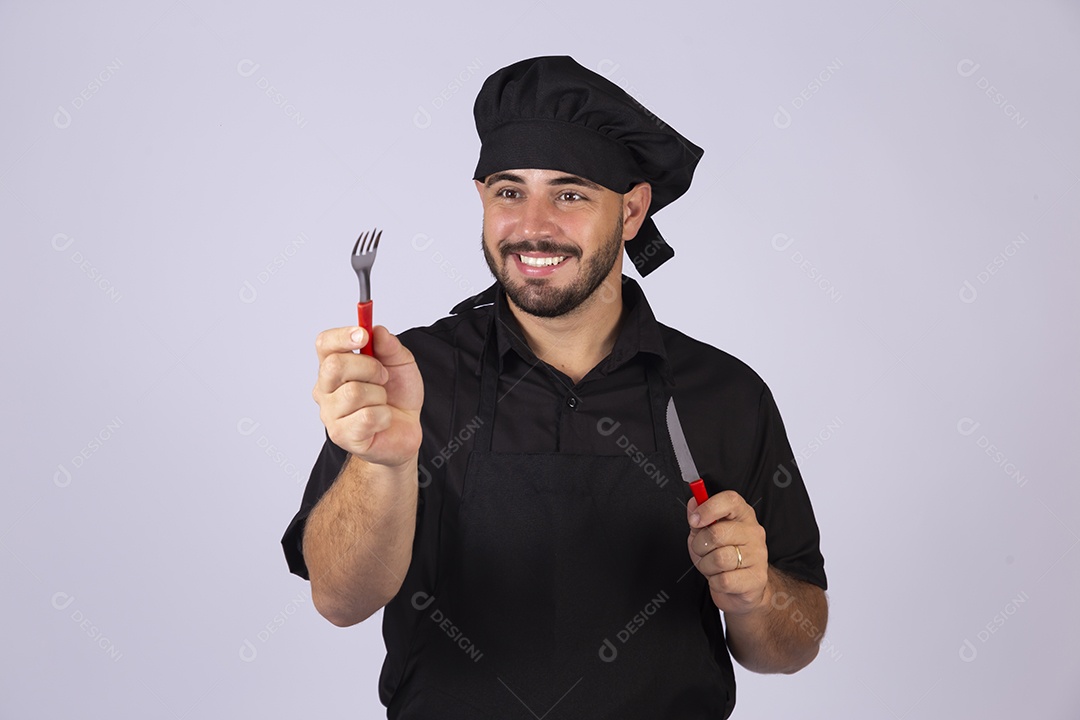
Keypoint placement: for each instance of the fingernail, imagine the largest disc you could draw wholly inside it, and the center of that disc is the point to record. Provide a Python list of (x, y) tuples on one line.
[(358, 335), (695, 519)]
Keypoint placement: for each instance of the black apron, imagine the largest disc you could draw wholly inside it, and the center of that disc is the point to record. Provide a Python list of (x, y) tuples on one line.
[(565, 590)]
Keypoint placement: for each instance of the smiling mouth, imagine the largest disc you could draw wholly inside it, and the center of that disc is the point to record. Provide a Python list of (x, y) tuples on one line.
[(541, 261)]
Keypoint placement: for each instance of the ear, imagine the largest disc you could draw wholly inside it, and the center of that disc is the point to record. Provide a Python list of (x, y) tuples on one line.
[(479, 188), (635, 208)]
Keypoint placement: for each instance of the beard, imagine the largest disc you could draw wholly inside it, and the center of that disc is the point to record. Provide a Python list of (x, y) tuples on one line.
[(537, 296)]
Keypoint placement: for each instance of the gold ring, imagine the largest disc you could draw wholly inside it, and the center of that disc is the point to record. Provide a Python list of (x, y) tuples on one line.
[(738, 552)]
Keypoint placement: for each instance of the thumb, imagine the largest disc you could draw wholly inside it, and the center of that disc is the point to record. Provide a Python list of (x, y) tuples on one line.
[(387, 348)]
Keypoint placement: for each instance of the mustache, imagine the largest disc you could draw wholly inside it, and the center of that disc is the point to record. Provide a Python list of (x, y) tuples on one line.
[(540, 246)]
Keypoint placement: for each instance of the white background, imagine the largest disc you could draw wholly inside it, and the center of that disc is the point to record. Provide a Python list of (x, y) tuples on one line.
[(175, 237)]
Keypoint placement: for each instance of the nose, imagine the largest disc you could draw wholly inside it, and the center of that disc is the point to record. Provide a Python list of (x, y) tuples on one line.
[(536, 220)]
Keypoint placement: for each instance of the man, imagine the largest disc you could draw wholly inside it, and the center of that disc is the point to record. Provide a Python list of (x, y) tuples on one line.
[(503, 482)]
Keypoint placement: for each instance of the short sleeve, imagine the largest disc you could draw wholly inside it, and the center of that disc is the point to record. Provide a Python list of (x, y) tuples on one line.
[(323, 474), (776, 491)]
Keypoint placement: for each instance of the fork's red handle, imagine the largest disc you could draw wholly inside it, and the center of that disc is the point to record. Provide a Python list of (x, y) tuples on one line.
[(700, 493), (363, 313)]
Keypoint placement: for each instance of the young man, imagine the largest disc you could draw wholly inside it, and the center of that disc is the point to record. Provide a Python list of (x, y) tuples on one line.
[(504, 482)]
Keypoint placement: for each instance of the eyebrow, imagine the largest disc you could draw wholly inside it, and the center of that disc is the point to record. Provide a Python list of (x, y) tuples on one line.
[(560, 180)]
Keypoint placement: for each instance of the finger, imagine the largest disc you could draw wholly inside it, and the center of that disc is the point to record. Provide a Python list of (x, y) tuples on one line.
[(358, 430), (340, 340), (726, 505), (725, 559), (349, 398), (746, 582), (337, 369), (709, 539)]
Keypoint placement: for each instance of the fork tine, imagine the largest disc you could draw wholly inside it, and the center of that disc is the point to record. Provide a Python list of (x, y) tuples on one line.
[(377, 238), (358, 241)]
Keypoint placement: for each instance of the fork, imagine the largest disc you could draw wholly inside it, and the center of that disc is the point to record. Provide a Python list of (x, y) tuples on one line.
[(363, 257)]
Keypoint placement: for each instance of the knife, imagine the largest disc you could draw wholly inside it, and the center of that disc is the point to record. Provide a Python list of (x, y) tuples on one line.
[(682, 455)]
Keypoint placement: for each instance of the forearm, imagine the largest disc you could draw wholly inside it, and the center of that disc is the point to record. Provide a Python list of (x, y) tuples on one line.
[(358, 540), (783, 633)]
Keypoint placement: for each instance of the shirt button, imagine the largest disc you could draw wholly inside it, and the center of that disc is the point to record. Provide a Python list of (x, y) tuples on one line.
[(572, 402)]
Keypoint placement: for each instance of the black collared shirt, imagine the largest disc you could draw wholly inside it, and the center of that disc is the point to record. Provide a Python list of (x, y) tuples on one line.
[(731, 422)]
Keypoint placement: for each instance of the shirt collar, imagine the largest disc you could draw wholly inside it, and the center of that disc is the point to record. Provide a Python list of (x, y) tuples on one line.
[(640, 331)]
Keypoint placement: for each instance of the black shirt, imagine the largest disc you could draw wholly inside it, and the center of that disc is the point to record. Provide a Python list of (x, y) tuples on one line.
[(731, 422)]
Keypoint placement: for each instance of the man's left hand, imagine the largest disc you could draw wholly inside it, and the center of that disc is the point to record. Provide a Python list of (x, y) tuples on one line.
[(727, 545)]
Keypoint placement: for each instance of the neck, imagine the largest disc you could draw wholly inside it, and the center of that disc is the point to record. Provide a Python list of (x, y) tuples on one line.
[(576, 342)]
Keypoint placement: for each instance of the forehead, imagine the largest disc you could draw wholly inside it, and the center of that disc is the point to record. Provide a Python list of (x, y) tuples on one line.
[(540, 176)]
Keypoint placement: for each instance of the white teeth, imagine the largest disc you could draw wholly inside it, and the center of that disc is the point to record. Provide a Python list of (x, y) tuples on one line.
[(541, 261)]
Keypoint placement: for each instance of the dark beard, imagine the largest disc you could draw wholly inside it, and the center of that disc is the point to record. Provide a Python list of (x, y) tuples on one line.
[(534, 296)]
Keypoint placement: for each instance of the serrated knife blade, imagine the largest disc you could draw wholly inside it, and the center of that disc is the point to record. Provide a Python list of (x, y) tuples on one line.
[(682, 455)]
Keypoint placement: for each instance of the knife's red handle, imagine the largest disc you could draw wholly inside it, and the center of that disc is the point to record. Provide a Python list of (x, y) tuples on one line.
[(363, 314), (700, 493)]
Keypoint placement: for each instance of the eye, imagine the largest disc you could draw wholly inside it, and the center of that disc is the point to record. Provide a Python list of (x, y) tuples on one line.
[(508, 193), (570, 196)]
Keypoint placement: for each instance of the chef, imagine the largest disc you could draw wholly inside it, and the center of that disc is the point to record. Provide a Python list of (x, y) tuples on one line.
[(503, 483)]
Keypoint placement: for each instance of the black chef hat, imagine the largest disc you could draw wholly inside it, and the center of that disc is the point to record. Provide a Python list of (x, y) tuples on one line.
[(553, 114)]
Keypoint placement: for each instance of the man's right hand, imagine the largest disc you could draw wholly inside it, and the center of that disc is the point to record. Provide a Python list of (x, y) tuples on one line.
[(369, 405)]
